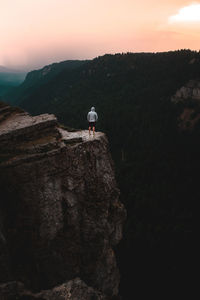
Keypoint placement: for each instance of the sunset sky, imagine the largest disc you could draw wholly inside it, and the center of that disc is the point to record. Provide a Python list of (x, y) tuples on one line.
[(38, 32)]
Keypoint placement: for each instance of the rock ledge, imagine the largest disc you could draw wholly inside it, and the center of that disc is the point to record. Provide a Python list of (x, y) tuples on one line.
[(60, 213)]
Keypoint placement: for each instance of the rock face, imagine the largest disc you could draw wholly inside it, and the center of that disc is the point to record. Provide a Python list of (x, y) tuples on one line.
[(73, 289), (189, 97), (60, 213), (190, 91)]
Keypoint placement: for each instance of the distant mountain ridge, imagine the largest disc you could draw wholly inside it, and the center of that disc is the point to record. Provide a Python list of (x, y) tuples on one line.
[(37, 78), (118, 78)]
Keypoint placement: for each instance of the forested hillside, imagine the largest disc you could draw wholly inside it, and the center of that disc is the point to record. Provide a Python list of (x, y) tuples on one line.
[(157, 162), (37, 78)]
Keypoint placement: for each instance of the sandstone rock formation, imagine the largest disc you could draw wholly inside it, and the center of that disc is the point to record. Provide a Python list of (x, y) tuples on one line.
[(60, 214)]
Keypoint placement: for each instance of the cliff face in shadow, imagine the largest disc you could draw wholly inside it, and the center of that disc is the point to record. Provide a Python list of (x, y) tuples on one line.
[(188, 99), (60, 214)]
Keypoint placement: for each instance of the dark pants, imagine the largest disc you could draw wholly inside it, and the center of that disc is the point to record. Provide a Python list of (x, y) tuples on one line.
[(92, 124)]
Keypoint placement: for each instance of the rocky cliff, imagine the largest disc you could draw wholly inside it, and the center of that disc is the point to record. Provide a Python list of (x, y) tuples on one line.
[(60, 214), (190, 91), (188, 97)]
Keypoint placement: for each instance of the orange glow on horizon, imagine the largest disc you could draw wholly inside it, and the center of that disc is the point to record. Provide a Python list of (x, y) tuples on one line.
[(37, 32)]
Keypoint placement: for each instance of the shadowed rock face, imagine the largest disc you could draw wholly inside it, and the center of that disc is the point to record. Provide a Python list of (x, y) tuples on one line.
[(60, 213), (189, 97), (190, 91), (73, 289)]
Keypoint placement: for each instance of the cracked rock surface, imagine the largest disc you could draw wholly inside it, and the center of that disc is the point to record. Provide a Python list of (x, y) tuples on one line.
[(60, 213)]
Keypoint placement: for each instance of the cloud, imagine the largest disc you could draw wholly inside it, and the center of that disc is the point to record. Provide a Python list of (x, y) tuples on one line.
[(190, 13)]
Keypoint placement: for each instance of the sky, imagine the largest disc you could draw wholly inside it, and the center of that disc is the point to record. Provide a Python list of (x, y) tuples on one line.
[(34, 33)]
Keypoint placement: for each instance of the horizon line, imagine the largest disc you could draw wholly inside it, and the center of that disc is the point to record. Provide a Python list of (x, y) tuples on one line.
[(23, 68)]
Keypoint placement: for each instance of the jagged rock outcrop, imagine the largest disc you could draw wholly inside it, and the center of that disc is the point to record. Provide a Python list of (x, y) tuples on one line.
[(190, 91), (189, 97), (71, 290), (60, 213)]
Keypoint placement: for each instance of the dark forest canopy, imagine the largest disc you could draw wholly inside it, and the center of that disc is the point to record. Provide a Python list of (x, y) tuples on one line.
[(156, 163)]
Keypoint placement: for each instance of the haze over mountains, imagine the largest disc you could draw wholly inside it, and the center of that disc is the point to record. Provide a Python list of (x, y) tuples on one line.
[(37, 78), (10, 78), (8, 70), (149, 107)]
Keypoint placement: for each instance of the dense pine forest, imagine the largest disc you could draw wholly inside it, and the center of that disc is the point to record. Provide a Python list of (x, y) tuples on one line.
[(157, 162)]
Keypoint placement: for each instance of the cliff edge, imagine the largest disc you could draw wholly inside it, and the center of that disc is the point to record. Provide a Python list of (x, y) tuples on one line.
[(60, 213)]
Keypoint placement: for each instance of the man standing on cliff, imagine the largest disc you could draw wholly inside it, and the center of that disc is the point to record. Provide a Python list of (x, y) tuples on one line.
[(92, 118)]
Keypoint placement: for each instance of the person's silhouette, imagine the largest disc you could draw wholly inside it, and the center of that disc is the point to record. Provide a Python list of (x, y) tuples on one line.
[(92, 118)]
